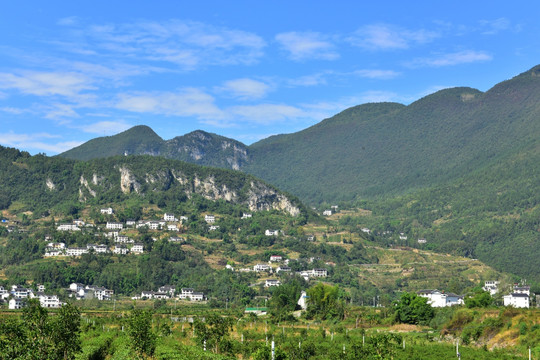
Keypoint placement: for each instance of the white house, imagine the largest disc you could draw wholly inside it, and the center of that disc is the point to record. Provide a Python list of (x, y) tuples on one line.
[(172, 227), (100, 292), (114, 226), (68, 227), (169, 289), (491, 286), (123, 239), (76, 251), (98, 248), (272, 282), (269, 232), (169, 217), (16, 303), (137, 248), (246, 216), (283, 268), (276, 258), (438, 298), (153, 225), (190, 294), (327, 212), (402, 236), (516, 300), (319, 272), (49, 301), (56, 245), (524, 289), (422, 241), (366, 230), (108, 211), (262, 267), (53, 252), (120, 250), (213, 227), (210, 218), (130, 222)]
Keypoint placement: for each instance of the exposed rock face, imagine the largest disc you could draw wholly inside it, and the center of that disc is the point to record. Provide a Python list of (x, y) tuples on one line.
[(50, 185), (262, 197), (84, 183), (128, 182), (208, 188)]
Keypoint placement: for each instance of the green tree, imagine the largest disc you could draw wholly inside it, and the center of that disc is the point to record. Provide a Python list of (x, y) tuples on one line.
[(143, 339), (66, 329), (413, 309), (214, 330), (325, 302), (479, 299)]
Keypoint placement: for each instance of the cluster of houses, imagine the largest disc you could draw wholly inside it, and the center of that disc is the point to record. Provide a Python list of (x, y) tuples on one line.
[(169, 292), (18, 295), (518, 298), (60, 249), (86, 292)]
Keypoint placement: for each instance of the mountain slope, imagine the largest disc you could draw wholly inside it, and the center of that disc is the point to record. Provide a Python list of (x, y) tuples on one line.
[(198, 147), (38, 183)]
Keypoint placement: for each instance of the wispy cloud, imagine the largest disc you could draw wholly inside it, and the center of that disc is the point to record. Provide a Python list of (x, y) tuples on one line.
[(46, 83), (187, 102), (105, 127), (266, 113), (244, 89), (186, 44), (389, 37), (450, 59), (307, 46), (493, 27), (377, 74), (39, 142)]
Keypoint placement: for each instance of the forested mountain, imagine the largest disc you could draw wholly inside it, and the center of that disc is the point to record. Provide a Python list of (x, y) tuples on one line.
[(39, 183), (198, 147), (459, 167)]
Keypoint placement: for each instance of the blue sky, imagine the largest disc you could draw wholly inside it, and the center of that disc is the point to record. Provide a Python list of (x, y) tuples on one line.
[(71, 71)]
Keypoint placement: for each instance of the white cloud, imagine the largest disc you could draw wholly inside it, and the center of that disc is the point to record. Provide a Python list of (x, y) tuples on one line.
[(68, 21), (187, 44), (67, 84), (389, 37), (105, 127), (377, 74), (187, 102), (266, 113), (309, 80), (492, 27), (456, 58), (307, 46), (36, 142), (245, 88), (60, 112)]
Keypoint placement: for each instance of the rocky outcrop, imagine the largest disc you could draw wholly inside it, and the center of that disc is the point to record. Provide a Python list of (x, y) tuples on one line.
[(263, 197), (128, 182), (50, 185)]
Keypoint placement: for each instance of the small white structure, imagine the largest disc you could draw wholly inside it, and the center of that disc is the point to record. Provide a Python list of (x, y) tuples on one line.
[(120, 250), (177, 239), (366, 230), (523, 289), (262, 267), (49, 301), (327, 212), (303, 300), (491, 286), (190, 294), (283, 268), (169, 217), (114, 226), (276, 258), (172, 227), (56, 245), (213, 227), (169, 289), (137, 248), (272, 282), (123, 239), (68, 227), (516, 300), (438, 298), (422, 241), (269, 232), (210, 219), (16, 303), (76, 251), (107, 211), (402, 236), (319, 272), (98, 248), (246, 215)]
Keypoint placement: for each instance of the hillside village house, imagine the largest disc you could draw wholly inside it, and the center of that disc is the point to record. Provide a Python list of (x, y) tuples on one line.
[(283, 268), (68, 227), (516, 300), (269, 232), (246, 216), (276, 258), (272, 282), (210, 219), (172, 227), (130, 222), (327, 212), (120, 250), (76, 251), (213, 227), (422, 241), (114, 226), (190, 294), (16, 303), (176, 239), (169, 217), (491, 286), (137, 248), (438, 298), (107, 211), (262, 267), (123, 239)]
